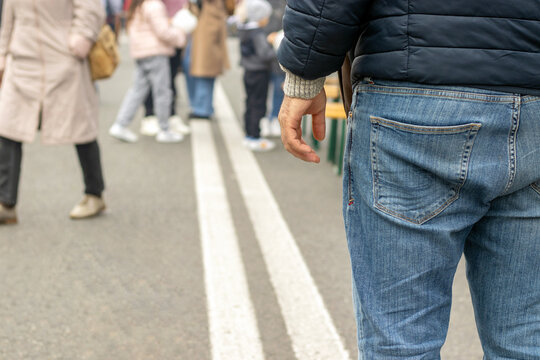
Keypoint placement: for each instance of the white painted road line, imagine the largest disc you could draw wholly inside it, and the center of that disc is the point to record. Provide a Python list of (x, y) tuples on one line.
[(234, 334), (310, 327)]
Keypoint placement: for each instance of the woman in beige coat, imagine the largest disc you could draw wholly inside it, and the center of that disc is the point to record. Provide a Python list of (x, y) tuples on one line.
[(206, 57), (46, 85)]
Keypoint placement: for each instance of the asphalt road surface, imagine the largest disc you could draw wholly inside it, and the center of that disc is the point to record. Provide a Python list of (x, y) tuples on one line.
[(207, 251)]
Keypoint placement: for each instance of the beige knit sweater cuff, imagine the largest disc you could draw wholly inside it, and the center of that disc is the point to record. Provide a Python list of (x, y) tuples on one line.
[(297, 87)]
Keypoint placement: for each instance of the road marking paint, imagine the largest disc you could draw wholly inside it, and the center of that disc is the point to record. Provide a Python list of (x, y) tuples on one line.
[(310, 327), (234, 334)]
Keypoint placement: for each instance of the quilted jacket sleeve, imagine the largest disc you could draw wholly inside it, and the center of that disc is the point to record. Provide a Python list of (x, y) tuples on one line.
[(318, 34)]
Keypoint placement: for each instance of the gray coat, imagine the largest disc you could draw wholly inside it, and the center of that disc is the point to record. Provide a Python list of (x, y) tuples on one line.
[(257, 53)]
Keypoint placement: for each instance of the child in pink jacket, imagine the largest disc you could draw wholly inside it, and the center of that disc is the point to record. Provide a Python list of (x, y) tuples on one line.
[(152, 40)]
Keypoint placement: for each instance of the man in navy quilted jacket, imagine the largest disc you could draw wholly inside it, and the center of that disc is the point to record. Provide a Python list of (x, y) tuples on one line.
[(442, 159)]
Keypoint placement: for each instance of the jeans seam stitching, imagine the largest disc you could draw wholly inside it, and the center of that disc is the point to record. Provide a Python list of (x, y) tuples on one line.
[(426, 88), (350, 180), (374, 163), (512, 143), (465, 95), (426, 129), (533, 99), (535, 188), (425, 218), (349, 145)]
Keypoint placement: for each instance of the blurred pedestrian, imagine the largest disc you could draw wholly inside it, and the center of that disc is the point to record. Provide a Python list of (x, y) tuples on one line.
[(127, 5), (152, 41), (270, 124), (206, 57), (150, 125), (47, 85), (257, 55), (441, 161), (113, 11)]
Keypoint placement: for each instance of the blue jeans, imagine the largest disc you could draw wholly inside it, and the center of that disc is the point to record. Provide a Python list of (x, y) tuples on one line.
[(277, 79), (431, 173), (200, 89)]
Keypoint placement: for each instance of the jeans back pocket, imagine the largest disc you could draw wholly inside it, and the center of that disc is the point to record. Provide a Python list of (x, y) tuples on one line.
[(418, 171)]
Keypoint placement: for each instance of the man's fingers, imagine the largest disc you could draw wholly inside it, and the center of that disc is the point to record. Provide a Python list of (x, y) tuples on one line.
[(303, 152), (293, 142), (319, 126), (290, 118)]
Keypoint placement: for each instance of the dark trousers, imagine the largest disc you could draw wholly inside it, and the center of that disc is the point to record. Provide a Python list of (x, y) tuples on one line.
[(10, 169), (175, 62), (256, 85)]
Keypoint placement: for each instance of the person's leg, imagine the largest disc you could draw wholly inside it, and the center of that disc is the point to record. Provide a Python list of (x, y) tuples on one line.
[(200, 89), (135, 95), (175, 63), (256, 85), (277, 93), (175, 121), (202, 105), (90, 161), (503, 250), (503, 268), (159, 73), (248, 108), (186, 65), (420, 165), (10, 171), (92, 203), (149, 105)]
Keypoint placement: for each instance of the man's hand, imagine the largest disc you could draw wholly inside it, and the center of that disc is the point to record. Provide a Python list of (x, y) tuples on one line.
[(290, 119)]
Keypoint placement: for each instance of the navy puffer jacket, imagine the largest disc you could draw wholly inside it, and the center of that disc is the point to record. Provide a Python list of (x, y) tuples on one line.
[(449, 42)]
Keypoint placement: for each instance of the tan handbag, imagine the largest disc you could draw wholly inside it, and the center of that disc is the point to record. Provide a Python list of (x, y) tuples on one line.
[(230, 6), (104, 56)]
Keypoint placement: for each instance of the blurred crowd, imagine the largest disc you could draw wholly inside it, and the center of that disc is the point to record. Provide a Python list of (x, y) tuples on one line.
[(47, 87)]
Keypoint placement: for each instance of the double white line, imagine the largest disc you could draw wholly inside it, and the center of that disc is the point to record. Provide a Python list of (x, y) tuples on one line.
[(234, 333)]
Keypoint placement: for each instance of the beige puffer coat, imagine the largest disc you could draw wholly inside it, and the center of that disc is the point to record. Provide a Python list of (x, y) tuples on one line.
[(150, 32), (42, 79)]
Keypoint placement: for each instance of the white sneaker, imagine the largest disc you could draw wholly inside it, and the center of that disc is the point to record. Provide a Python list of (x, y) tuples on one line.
[(259, 144), (149, 126), (122, 133), (178, 125), (275, 128), (264, 125), (169, 137)]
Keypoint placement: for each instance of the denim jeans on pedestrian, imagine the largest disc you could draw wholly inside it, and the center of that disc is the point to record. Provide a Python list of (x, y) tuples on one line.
[(200, 89), (277, 79), (432, 173)]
